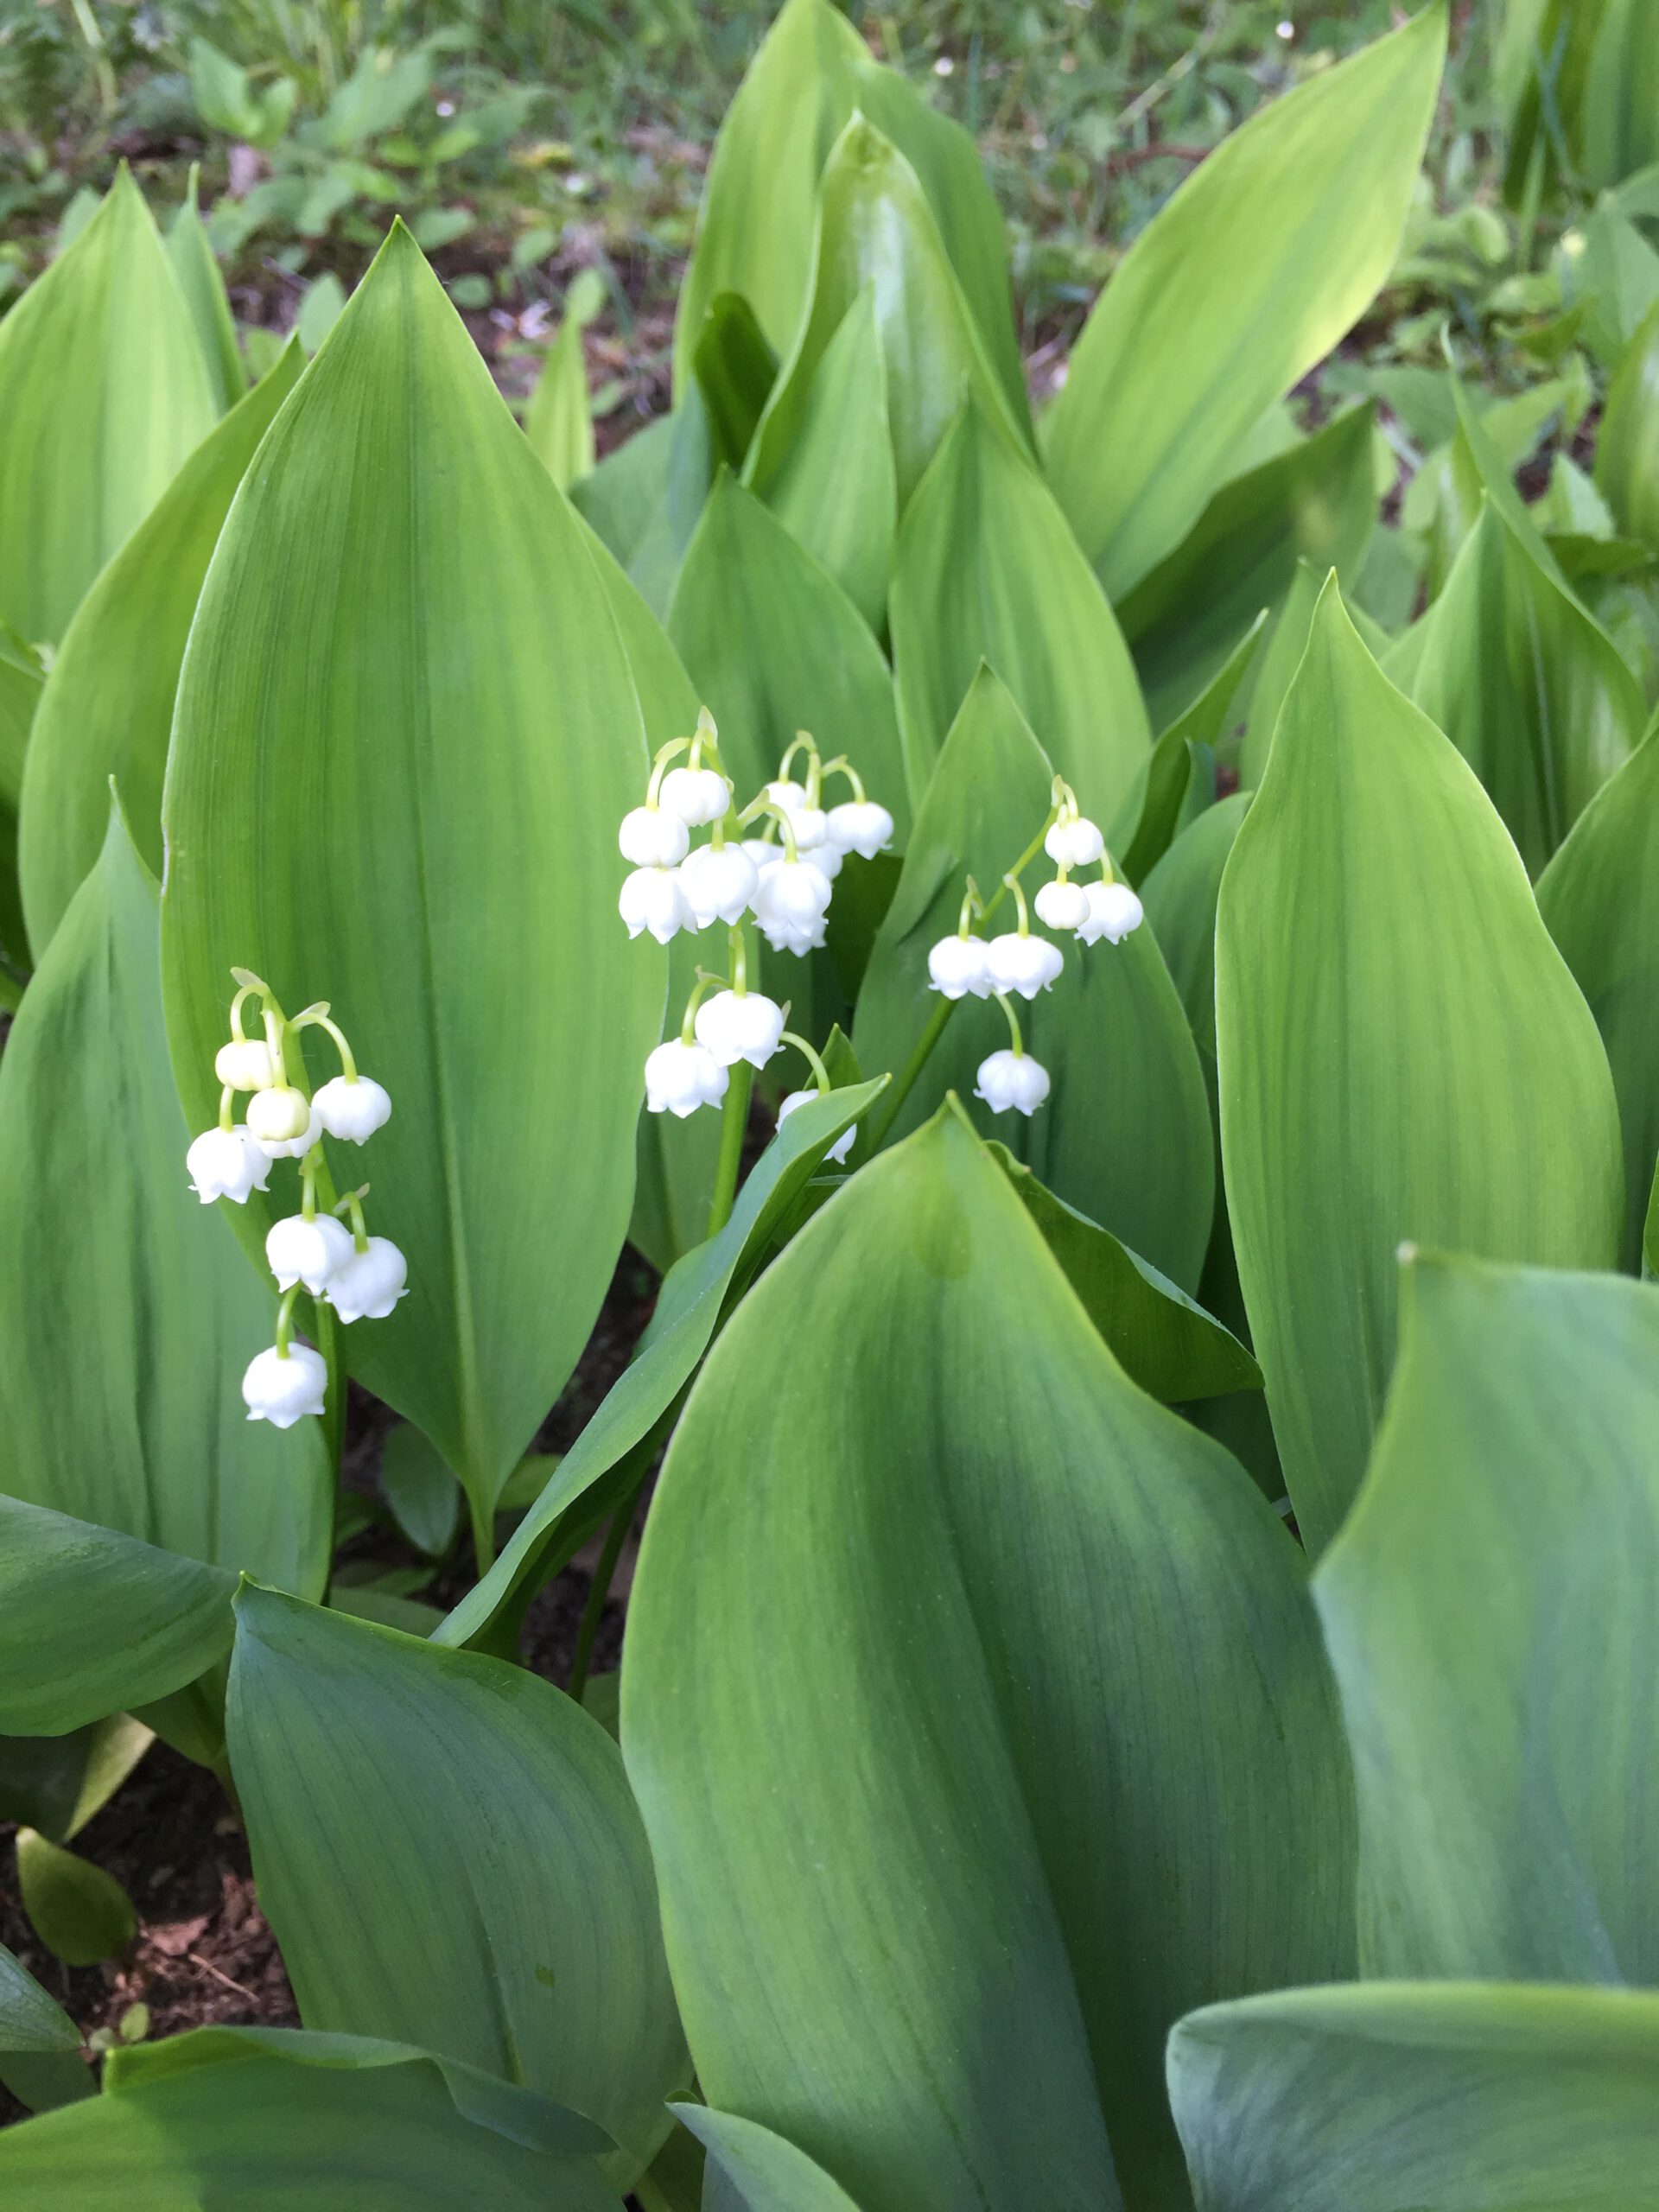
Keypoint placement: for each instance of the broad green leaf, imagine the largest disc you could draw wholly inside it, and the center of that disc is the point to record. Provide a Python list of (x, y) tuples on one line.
[(107, 708), (1488, 1612), (555, 1975), (1627, 442), (986, 569), (644, 500), (1180, 776), (735, 370), (751, 2169), (1268, 253), (200, 281), (774, 646), (1316, 504), (1181, 897), (1280, 662), (103, 392), (559, 421), (1650, 1233), (335, 2123), (980, 1905), (1402, 1053), (1425, 2097), (420, 1488), (1134, 1155), (21, 680), (56, 1784), (834, 489), (688, 1308), (80, 1913), (1610, 272), (29, 2019), (405, 733)]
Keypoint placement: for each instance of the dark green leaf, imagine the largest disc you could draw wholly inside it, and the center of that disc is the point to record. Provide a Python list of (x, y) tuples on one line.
[(421, 1488)]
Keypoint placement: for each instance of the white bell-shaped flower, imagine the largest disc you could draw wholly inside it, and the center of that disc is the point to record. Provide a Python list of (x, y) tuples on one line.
[(697, 796), (680, 1078), (1061, 906), (809, 824), (278, 1115), (957, 967), (352, 1107), (651, 899), (1012, 1080), (296, 1148), (843, 1145), (826, 858), (226, 1164), (370, 1283), (719, 881), (653, 837), (1025, 964), (282, 1388), (1113, 911), (1075, 841), (312, 1252), (246, 1064), (859, 826), (790, 904), (736, 1026)]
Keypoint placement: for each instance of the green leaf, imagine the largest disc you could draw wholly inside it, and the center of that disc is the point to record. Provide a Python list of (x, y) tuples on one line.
[(774, 646), (1135, 1156), (1316, 503), (21, 680), (1627, 442), (1180, 779), (735, 370), (107, 708), (559, 421), (338, 2124), (198, 279), (1424, 2098), (29, 2019), (834, 489), (1268, 252), (981, 1903), (1403, 1054), (56, 1784), (319, 310), (406, 732), (1279, 662), (80, 1913), (1181, 897), (986, 569), (103, 393), (554, 1975), (752, 2170), (1503, 1828), (688, 1308), (421, 1488)]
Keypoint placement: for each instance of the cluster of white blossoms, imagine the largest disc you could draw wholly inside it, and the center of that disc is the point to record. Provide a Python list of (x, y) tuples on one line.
[(783, 879), (1017, 963), (361, 1277)]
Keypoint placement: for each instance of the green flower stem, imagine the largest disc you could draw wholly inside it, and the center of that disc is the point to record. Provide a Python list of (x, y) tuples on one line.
[(599, 1589), (285, 1319), (912, 1070), (316, 1017), (227, 1106), (820, 1073), (1007, 1005), (735, 1120)]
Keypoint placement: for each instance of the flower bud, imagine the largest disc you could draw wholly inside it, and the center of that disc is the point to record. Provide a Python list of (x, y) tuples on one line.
[(807, 823), (1026, 964), (859, 826), (371, 1282), (296, 1148), (282, 1387), (279, 1114), (680, 1078), (1074, 842), (957, 966), (1113, 911), (746, 1027), (246, 1064), (1061, 906), (697, 796), (718, 882), (311, 1252), (1012, 1080), (651, 837), (843, 1145), (651, 899), (790, 904), (352, 1107), (226, 1164)]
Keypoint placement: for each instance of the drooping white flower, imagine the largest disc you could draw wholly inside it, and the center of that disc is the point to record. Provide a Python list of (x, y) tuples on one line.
[(680, 1078), (957, 966), (312, 1252), (1026, 964), (719, 881), (278, 1115), (745, 1026), (843, 1145), (859, 826), (226, 1164), (763, 852), (246, 1064), (1075, 841), (826, 858), (807, 823), (790, 904), (651, 898), (1012, 1080), (295, 1148), (697, 796), (370, 1283), (1061, 906), (1113, 911), (282, 1388), (352, 1107), (653, 837)]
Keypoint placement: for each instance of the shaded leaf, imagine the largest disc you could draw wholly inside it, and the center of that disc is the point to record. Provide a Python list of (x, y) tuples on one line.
[(421, 1488), (29, 2019), (735, 370), (1180, 774), (1627, 442), (752, 2170), (80, 1913)]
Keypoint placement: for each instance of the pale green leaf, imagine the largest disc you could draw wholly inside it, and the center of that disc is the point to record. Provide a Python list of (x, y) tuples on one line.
[(80, 1913), (559, 421), (199, 277), (1627, 442), (751, 2169)]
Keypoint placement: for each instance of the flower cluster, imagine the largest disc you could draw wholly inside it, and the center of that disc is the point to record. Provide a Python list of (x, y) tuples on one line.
[(1017, 962), (782, 879), (361, 1277)]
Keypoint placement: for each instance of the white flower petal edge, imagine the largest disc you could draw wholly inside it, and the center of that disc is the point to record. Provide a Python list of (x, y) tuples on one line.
[(226, 1164), (651, 899), (958, 965), (1074, 843), (680, 1078), (371, 1282), (719, 883), (843, 1145), (1113, 911), (651, 837), (245, 1065), (296, 1148), (283, 1390), (1061, 906), (859, 826), (745, 1028), (1012, 1081), (352, 1107), (311, 1252), (790, 904), (1025, 964), (696, 796), (279, 1114)]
